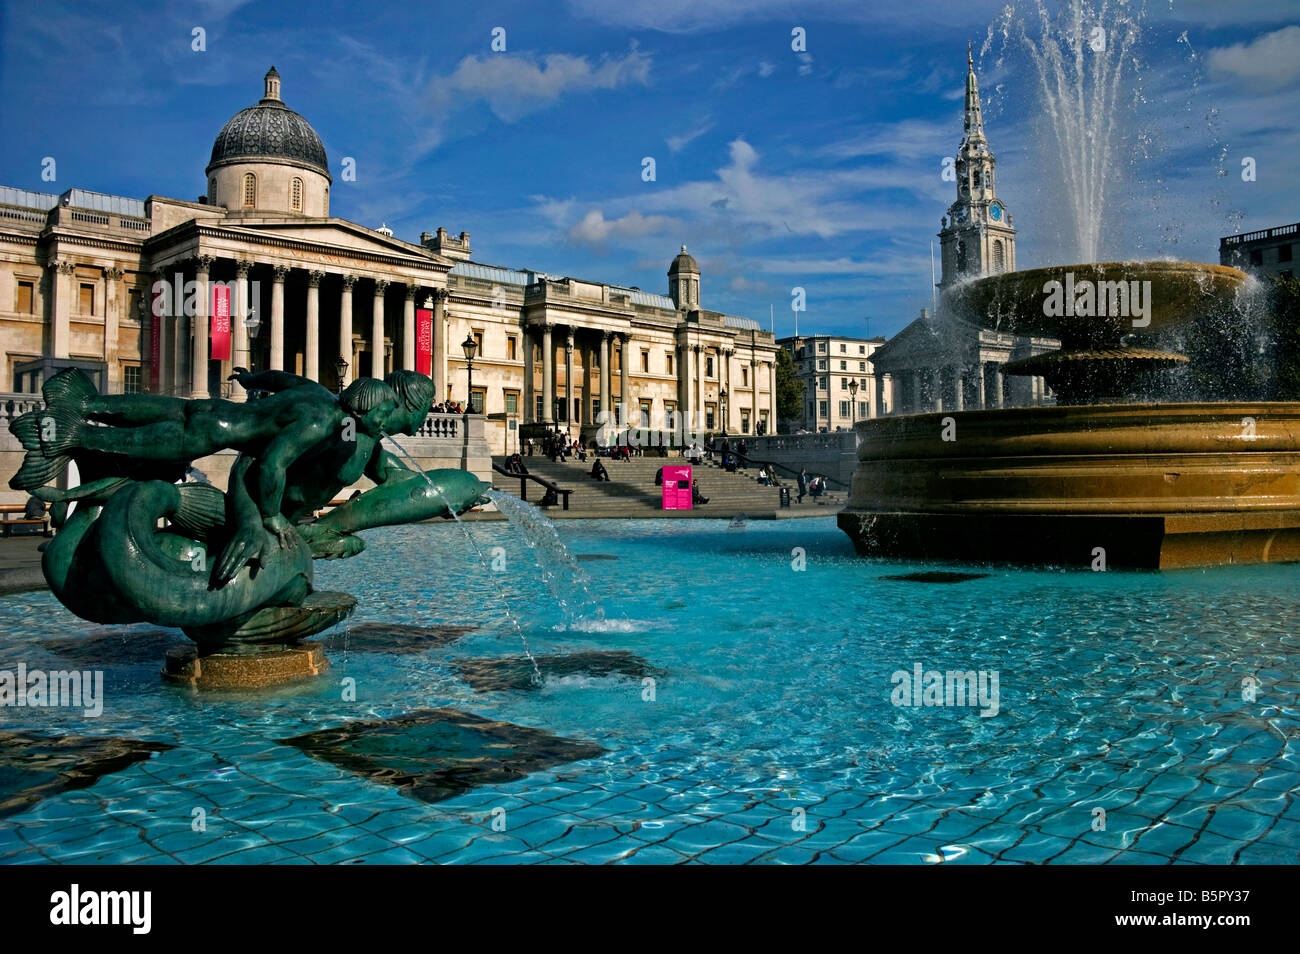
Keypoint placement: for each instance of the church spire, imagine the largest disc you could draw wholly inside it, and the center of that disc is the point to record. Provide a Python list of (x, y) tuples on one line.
[(974, 130)]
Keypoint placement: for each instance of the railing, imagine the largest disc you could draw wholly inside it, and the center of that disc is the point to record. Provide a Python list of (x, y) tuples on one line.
[(440, 425), (1263, 234), (523, 483)]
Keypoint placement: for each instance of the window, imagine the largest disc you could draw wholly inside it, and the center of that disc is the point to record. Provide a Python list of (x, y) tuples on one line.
[(87, 301), (862, 383), (131, 380), (710, 411), (326, 210), (844, 384), (862, 349), (645, 362), (999, 258), (844, 409), (645, 410), (669, 359), (708, 366), (559, 410), (1284, 253), (862, 365), (478, 337), (250, 191), (670, 414), (822, 407), (212, 188), (133, 312), (863, 410), (477, 400), (821, 364), (844, 365), (821, 347), (744, 377), (744, 420), (821, 384), (842, 348), (24, 296), (512, 348), (538, 410), (295, 194), (512, 403)]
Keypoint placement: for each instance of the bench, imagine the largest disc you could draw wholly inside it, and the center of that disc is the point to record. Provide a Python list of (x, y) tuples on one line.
[(20, 525)]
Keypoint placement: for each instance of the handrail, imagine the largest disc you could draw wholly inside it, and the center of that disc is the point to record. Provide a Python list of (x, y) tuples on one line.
[(523, 483), (716, 449)]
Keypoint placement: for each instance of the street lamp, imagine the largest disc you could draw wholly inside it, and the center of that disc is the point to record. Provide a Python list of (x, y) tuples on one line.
[(722, 399), (470, 347), (341, 369), (252, 323), (853, 401)]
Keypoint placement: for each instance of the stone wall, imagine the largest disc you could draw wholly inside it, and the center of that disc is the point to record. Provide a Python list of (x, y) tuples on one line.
[(834, 454)]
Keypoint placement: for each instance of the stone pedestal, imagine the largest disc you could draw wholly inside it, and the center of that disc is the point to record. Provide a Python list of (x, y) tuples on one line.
[(185, 667)]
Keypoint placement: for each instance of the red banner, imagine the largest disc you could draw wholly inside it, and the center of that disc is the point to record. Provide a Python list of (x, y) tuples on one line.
[(424, 341), (155, 339), (220, 325)]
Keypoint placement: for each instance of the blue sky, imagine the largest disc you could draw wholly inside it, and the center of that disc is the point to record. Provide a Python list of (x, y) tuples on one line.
[(777, 169)]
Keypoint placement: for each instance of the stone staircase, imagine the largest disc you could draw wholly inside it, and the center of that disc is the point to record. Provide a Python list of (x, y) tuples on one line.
[(631, 490)]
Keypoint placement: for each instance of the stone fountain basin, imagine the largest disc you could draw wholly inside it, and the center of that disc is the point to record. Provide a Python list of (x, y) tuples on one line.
[(1014, 301), (1154, 485)]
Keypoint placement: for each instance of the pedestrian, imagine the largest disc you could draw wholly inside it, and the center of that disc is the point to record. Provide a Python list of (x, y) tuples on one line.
[(697, 498), (741, 448), (803, 483)]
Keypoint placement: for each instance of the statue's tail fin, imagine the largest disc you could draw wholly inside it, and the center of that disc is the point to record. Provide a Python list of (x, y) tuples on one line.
[(38, 470), (70, 388), (27, 428), (202, 507)]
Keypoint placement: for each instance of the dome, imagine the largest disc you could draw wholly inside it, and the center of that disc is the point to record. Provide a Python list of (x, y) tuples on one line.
[(683, 263), (269, 131)]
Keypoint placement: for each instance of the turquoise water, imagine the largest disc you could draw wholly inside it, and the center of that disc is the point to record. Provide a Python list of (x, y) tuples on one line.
[(766, 733)]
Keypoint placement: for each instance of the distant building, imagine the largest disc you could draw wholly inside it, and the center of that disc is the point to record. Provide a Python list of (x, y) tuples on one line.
[(1269, 253), (938, 362), (332, 300), (826, 365)]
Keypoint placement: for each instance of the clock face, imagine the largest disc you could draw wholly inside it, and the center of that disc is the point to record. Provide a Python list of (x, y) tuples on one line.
[(996, 212)]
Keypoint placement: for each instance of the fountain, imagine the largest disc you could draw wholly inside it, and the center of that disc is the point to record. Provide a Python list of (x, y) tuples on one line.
[(1114, 475), (232, 569)]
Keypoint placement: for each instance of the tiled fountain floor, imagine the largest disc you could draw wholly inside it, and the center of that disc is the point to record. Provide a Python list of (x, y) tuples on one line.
[(729, 710)]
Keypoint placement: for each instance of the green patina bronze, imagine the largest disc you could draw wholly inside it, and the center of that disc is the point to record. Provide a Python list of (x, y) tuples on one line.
[(233, 568)]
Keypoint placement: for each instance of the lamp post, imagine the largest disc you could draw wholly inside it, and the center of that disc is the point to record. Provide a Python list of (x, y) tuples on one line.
[(722, 399), (341, 369), (853, 401), (252, 323), (470, 347)]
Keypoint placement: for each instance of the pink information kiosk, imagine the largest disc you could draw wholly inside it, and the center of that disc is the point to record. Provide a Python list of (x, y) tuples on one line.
[(677, 488)]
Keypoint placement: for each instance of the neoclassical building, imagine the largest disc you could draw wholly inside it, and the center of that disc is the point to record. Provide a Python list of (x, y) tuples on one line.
[(939, 362), (123, 288)]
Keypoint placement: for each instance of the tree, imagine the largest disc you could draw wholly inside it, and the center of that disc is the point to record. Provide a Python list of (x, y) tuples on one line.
[(789, 389)]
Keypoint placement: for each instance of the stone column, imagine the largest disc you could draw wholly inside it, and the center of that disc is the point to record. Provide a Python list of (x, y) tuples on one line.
[(915, 376), (345, 327), (606, 403), (199, 366), (377, 330), (753, 396), (980, 383), (112, 317), (162, 321), (311, 360), (624, 385), (439, 368), (997, 384), (239, 330), (772, 421), (548, 375), (685, 377), (277, 318), (408, 328), (959, 396), (61, 308), (880, 394), (529, 410), (568, 377), (724, 379)]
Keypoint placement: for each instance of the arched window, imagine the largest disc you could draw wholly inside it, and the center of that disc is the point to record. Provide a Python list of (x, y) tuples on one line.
[(250, 191), (295, 194), (326, 209), (999, 258), (961, 258)]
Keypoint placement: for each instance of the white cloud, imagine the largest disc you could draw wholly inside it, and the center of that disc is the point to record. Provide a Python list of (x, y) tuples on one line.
[(1272, 59), (906, 139), (766, 69), (680, 142), (595, 230), (515, 86)]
